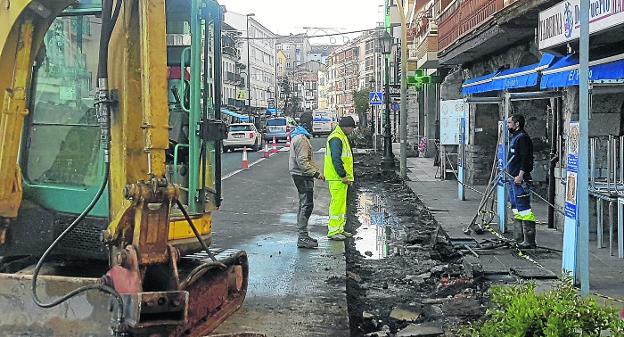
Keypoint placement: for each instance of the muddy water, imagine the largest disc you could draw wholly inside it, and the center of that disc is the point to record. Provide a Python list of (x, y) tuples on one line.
[(378, 229)]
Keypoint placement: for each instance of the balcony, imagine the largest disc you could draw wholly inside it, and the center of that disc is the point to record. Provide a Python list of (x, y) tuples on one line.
[(460, 18), (233, 78), (423, 51)]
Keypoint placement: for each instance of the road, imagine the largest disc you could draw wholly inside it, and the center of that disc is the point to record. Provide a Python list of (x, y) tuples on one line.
[(292, 292)]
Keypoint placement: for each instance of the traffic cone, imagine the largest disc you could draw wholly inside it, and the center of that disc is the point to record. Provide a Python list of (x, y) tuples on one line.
[(245, 162), (288, 140), (266, 153), (274, 149)]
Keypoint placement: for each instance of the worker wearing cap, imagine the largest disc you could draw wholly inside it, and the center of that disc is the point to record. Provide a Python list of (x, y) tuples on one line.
[(304, 171), (338, 171)]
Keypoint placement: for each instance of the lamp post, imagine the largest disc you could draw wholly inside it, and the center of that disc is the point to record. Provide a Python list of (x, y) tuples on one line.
[(248, 64), (371, 84), (387, 163)]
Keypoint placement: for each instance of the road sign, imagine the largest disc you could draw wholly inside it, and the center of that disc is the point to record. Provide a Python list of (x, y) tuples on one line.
[(241, 95), (396, 106), (376, 98)]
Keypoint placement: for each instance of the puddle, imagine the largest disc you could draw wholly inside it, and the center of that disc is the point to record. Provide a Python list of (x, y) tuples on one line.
[(374, 236)]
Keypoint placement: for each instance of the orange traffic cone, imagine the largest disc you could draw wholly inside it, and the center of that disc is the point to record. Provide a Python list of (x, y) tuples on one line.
[(274, 149), (288, 140), (245, 162), (266, 153)]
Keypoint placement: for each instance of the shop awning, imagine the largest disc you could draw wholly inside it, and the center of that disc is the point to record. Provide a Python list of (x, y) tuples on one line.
[(523, 77), (478, 85), (242, 118), (564, 72)]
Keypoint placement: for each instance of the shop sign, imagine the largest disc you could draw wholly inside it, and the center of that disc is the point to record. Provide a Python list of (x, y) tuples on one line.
[(561, 23)]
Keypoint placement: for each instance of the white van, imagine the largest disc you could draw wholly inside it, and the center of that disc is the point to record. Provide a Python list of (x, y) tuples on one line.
[(323, 123)]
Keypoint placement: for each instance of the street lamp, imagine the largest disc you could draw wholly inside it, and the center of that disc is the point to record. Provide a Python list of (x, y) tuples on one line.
[(371, 83), (387, 163), (248, 64)]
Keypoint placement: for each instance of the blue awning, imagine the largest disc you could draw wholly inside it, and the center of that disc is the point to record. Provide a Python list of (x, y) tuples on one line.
[(523, 77), (478, 85), (242, 118), (564, 72)]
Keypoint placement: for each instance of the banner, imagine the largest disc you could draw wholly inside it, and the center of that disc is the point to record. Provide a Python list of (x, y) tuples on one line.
[(570, 227)]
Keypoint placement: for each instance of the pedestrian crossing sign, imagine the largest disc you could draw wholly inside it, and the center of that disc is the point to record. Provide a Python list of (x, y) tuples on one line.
[(241, 95), (376, 98)]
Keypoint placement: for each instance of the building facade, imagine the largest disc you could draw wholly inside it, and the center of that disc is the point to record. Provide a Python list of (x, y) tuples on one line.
[(343, 68), (258, 54), (296, 48), (233, 82)]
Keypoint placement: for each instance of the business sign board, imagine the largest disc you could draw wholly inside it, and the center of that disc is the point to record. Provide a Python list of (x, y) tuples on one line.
[(562, 23)]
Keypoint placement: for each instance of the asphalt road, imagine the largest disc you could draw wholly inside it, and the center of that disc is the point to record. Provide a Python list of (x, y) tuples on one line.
[(292, 292)]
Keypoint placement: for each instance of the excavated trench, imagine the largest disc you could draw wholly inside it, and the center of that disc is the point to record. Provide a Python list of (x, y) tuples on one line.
[(404, 276)]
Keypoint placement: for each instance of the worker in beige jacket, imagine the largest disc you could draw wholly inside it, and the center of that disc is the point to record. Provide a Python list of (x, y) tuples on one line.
[(304, 170)]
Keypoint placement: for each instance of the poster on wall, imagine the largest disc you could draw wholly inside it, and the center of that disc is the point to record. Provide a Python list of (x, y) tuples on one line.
[(451, 114), (570, 226)]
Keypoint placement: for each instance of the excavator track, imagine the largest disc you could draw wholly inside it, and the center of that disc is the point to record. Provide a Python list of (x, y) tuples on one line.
[(214, 295)]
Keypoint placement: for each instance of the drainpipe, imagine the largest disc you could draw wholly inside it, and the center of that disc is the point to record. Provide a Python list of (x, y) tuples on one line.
[(554, 158)]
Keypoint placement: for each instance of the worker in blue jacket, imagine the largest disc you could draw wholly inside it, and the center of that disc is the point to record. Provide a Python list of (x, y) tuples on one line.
[(520, 167)]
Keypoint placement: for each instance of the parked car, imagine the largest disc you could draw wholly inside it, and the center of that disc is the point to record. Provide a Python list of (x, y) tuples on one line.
[(242, 135), (323, 123), (279, 127)]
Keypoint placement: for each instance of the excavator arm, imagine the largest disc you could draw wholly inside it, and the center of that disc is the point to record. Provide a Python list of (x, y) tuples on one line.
[(161, 289)]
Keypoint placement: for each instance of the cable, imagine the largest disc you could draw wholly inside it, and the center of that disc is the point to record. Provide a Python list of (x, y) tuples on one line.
[(303, 35)]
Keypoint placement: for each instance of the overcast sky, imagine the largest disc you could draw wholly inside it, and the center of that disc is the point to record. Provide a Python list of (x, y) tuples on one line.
[(290, 16)]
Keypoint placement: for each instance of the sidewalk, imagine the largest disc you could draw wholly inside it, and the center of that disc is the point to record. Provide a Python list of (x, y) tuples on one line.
[(606, 272)]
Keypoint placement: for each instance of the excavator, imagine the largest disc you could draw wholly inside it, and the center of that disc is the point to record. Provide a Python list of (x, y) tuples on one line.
[(110, 131)]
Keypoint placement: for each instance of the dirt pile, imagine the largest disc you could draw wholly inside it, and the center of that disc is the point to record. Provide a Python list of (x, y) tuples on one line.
[(404, 276)]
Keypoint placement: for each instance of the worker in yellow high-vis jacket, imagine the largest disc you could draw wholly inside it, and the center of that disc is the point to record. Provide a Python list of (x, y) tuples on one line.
[(338, 172)]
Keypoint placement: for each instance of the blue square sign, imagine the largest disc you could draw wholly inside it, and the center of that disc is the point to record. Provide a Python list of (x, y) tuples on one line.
[(376, 98)]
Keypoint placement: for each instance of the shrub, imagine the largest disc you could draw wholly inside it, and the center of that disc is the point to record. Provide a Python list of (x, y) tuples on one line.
[(519, 311)]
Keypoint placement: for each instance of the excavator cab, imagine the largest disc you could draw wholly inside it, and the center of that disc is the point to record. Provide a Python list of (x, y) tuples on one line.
[(111, 121)]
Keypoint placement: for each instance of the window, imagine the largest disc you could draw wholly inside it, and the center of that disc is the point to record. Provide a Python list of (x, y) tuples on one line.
[(63, 133), (238, 128)]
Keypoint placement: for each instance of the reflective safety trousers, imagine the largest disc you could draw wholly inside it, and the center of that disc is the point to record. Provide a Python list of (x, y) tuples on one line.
[(337, 207), (520, 199)]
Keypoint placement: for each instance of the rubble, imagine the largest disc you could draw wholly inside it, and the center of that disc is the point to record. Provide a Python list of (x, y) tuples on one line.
[(415, 281)]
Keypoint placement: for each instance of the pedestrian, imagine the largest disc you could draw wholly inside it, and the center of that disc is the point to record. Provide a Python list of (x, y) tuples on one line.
[(338, 169), (520, 167), (303, 171)]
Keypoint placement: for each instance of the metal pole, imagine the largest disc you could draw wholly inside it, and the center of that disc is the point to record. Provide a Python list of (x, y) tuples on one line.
[(248, 68), (387, 163), (403, 106), (583, 196)]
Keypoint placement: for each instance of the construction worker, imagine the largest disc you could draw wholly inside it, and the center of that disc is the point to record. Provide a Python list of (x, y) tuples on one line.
[(339, 175), (520, 167), (303, 171)]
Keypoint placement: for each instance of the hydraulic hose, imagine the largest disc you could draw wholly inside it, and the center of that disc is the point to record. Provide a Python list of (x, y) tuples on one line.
[(196, 232), (109, 18)]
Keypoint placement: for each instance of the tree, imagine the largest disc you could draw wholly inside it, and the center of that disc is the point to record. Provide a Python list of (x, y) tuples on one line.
[(284, 84), (361, 102)]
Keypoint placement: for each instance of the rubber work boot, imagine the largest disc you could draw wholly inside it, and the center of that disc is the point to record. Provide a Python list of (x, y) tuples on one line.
[(518, 231), (529, 235), (307, 242)]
